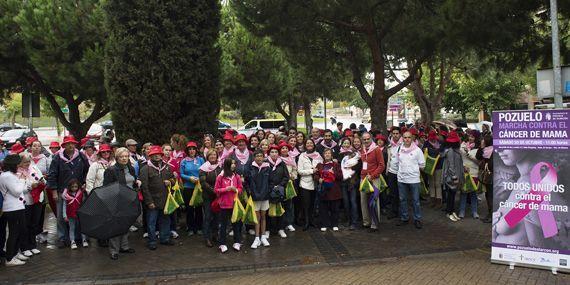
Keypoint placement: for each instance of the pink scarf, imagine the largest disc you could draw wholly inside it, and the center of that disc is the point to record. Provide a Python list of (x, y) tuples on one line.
[(274, 163), (226, 153), (396, 143), (150, 164), (25, 172), (346, 149), (469, 145), (370, 149), (317, 140), (408, 149), (205, 152), (333, 144), (314, 156), (208, 167), (38, 157), (289, 160), (103, 162), (260, 167), (294, 152), (177, 154), (487, 152), (74, 156), (68, 197), (242, 156)]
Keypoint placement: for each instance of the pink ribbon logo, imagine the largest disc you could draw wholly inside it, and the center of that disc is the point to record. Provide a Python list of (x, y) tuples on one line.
[(514, 216)]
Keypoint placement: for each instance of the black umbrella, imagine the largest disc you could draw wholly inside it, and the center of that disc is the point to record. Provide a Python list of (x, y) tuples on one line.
[(109, 211)]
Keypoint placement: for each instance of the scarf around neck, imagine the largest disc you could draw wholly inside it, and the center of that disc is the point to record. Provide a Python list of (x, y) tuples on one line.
[(260, 167), (74, 156), (208, 166), (324, 144), (242, 156), (38, 157), (289, 160), (70, 198), (370, 149), (346, 149), (294, 152), (399, 142), (274, 163), (412, 147), (314, 156), (435, 144), (159, 168)]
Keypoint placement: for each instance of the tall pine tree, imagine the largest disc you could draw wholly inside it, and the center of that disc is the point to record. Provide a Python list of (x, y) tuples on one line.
[(162, 67)]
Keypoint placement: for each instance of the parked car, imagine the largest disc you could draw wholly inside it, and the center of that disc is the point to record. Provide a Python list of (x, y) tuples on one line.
[(107, 124), (223, 125), (271, 125), (319, 114), (10, 137), (7, 126)]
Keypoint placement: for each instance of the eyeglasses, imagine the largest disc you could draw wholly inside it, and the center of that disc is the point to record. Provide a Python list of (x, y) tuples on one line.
[(407, 137)]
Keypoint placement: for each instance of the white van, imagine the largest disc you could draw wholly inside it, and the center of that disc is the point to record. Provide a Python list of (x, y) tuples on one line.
[(271, 125)]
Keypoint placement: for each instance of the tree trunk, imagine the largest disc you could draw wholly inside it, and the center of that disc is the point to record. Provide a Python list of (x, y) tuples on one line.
[(378, 111), (292, 112), (57, 127), (13, 119), (308, 118)]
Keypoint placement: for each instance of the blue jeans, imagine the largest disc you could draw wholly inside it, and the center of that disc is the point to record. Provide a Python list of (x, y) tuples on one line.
[(62, 230), (163, 223), (463, 203), (349, 202), (404, 189), (73, 227)]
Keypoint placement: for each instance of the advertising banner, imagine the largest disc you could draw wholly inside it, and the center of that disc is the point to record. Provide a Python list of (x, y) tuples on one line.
[(531, 175)]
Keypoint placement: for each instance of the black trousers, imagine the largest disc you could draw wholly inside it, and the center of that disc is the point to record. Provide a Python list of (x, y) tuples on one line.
[(16, 225), (33, 214), (194, 215), (489, 199), (329, 213), (392, 181), (450, 198), (308, 201)]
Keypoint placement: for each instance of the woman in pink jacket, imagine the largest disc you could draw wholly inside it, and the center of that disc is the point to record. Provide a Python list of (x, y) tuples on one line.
[(228, 185)]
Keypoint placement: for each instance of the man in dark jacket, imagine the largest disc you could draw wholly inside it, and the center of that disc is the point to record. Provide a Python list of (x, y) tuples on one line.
[(156, 177), (328, 143), (66, 165)]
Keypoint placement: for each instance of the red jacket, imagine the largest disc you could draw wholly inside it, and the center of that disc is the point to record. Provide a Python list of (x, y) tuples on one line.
[(372, 163), (226, 196), (333, 179)]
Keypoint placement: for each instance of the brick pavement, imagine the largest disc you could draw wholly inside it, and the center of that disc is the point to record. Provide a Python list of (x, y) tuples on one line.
[(380, 251)]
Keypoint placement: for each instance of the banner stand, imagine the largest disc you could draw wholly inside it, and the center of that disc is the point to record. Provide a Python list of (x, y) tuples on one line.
[(531, 189)]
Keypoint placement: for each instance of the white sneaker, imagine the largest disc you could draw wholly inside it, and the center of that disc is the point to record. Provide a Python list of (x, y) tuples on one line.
[(28, 253), (256, 243), (236, 246), (35, 251), (231, 233), (451, 217), (290, 228), (223, 248), (157, 233), (145, 235), (266, 234), (251, 232), (282, 233), (85, 244), (73, 245), (174, 234), (335, 229), (21, 257), (455, 216), (323, 229), (264, 241), (15, 262), (133, 229)]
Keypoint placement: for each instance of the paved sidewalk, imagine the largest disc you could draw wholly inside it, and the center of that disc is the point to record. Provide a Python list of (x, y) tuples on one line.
[(387, 251)]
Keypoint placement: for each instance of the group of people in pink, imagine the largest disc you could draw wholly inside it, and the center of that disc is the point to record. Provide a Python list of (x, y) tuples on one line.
[(326, 168)]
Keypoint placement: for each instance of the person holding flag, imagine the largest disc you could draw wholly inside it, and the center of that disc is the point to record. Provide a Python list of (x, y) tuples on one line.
[(372, 167)]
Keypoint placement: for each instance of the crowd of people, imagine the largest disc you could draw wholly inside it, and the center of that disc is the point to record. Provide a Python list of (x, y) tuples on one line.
[(326, 168)]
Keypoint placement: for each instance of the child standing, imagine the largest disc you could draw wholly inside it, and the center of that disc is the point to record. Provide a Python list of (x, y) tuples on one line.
[(73, 197)]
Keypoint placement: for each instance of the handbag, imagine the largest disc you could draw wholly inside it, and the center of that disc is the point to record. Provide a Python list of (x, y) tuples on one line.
[(485, 175)]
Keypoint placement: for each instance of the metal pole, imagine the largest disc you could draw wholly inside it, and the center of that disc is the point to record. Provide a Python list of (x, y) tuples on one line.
[(556, 55), (325, 115)]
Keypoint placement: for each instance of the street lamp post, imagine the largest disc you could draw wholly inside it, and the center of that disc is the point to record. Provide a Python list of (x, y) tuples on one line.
[(556, 55)]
